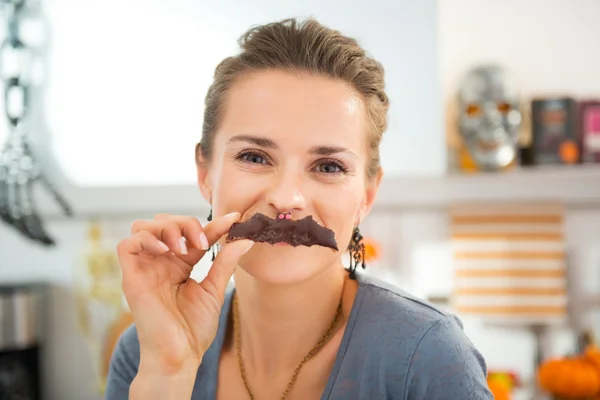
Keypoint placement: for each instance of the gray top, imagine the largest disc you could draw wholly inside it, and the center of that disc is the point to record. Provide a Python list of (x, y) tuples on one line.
[(395, 346)]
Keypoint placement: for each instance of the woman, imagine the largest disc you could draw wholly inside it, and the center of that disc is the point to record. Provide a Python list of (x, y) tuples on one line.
[(292, 126)]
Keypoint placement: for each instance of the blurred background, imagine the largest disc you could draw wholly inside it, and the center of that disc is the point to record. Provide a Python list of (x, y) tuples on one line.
[(498, 222)]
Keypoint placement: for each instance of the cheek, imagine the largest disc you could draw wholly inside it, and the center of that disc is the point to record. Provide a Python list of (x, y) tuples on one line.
[(339, 211), (232, 190)]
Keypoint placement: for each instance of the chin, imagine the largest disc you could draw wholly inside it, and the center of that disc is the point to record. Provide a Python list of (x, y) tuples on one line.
[(285, 264)]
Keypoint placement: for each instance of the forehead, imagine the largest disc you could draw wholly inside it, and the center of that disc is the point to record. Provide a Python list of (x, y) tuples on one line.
[(295, 107)]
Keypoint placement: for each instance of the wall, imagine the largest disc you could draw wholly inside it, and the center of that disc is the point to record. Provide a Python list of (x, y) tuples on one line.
[(123, 106), (550, 45), (113, 64)]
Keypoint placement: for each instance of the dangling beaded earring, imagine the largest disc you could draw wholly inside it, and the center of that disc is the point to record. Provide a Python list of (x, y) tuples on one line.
[(356, 249), (212, 248), (214, 253)]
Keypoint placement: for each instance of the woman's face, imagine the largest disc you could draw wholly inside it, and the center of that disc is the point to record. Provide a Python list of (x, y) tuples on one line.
[(291, 143)]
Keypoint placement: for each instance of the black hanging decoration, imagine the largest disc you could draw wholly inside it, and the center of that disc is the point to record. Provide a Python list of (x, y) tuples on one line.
[(20, 170), (357, 253)]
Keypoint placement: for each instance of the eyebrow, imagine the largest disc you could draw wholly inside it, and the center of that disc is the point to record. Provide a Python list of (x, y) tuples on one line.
[(258, 141), (328, 150), (268, 143)]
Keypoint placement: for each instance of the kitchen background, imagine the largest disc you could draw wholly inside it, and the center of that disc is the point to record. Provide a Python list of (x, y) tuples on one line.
[(117, 110)]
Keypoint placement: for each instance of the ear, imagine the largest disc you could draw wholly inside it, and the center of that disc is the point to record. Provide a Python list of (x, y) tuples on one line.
[(370, 195), (203, 176)]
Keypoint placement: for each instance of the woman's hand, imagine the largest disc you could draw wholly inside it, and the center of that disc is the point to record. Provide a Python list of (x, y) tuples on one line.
[(176, 317)]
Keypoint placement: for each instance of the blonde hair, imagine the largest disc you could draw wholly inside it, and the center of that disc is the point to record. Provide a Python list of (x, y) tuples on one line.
[(306, 46)]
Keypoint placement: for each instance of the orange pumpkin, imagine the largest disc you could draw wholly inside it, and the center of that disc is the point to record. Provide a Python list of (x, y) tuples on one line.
[(592, 354), (571, 378), (372, 249), (508, 378), (499, 389)]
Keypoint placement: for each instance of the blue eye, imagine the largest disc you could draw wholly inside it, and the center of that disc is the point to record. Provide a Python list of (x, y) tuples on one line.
[(255, 158), (329, 168), (252, 157)]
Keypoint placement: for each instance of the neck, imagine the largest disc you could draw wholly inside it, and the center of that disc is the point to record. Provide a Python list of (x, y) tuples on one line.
[(273, 317)]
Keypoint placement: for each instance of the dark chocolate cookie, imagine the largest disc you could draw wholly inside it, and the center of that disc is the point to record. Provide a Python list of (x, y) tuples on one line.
[(302, 232)]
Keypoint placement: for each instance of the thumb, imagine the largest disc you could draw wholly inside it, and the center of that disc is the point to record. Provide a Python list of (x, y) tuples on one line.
[(223, 267)]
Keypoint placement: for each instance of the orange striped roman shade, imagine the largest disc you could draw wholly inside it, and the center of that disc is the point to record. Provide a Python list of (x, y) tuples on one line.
[(509, 262)]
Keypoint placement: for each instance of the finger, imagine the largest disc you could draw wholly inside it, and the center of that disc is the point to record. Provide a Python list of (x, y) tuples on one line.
[(142, 242), (170, 231), (191, 229), (219, 226), (166, 231), (139, 243), (223, 268)]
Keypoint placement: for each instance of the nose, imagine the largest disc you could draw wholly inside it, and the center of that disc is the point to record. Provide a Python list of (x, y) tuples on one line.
[(285, 194), (491, 114)]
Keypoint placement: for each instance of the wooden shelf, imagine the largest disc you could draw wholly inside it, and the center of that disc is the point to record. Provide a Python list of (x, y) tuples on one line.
[(576, 186), (126, 202)]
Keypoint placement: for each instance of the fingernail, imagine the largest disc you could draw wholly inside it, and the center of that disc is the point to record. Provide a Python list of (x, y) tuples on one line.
[(182, 245), (248, 248), (233, 214), (163, 246), (203, 241)]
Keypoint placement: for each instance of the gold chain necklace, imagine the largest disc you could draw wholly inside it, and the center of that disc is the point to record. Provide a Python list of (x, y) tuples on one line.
[(315, 349)]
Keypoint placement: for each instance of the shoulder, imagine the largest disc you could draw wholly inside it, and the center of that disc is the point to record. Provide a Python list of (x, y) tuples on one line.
[(423, 346), (128, 347), (397, 321), (123, 365), (390, 309)]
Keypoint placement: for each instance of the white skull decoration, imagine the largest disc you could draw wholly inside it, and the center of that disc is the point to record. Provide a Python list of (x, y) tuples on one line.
[(489, 116)]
